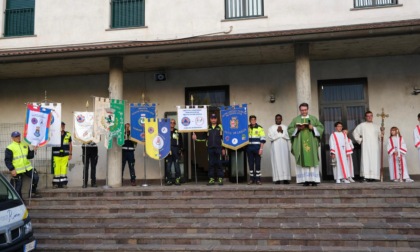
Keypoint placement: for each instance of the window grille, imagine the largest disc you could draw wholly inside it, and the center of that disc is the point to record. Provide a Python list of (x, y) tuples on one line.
[(19, 18), (243, 8), (127, 13), (373, 3)]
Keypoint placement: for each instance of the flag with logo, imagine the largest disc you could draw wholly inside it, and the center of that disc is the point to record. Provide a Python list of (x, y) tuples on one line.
[(55, 127), (192, 119), (83, 126), (37, 125), (138, 115), (109, 120), (158, 138), (235, 126)]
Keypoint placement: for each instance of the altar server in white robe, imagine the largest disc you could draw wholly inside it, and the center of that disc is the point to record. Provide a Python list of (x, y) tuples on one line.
[(340, 151), (349, 157), (369, 135), (417, 136), (280, 153), (397, 149)]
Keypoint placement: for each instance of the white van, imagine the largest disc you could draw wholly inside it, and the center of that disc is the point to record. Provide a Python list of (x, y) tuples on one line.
[(15, 224)]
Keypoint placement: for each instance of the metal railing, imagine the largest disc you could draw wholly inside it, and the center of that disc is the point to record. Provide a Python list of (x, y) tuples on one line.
[(243, 8), (127, 13), (19, 22), (373, 3)]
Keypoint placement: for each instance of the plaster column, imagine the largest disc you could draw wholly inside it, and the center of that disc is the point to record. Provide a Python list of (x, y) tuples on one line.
[(114, 155), (303, 74)]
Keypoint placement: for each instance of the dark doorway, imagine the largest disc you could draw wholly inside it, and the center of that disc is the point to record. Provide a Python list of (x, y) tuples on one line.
[(213, 97), (342, 100)]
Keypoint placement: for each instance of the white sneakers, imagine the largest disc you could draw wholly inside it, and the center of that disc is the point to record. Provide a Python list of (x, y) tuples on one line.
[(409, 180), (350, 179)]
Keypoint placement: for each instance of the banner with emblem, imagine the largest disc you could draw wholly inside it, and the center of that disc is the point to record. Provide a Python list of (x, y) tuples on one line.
[(158, 138), (55, 127), (83, 126), (192, 119), (37, 125), (109, 120), (235, 126), (138, 114)]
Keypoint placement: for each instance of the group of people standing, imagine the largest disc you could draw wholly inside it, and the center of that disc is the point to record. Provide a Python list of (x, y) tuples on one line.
[(304, 133)]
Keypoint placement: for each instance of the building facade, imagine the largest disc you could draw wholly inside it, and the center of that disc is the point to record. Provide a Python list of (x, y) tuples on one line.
[(342, 57)]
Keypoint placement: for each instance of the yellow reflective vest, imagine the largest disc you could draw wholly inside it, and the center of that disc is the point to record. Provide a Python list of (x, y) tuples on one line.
[(20, 153)]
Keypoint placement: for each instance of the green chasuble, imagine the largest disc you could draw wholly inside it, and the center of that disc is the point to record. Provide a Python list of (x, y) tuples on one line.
[(305, 144)]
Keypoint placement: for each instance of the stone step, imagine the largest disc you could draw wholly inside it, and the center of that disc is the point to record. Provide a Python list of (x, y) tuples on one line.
[(220, 248), (232, 228), (206, 239), (225, 217), (233, 190), (233, 208), (217, 199)]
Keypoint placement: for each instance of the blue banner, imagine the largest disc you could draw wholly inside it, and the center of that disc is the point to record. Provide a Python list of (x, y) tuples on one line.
[(235, 126), (138, 115)]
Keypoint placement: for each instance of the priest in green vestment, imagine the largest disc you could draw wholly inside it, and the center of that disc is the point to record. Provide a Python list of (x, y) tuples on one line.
[(305, 132)]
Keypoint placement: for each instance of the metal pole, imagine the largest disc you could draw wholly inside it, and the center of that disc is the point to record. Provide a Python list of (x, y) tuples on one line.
[(160, 173), (237, 180), (144, 158), (30, 188), (195, 163)]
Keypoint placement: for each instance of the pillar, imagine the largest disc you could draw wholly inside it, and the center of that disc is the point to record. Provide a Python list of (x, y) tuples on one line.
[(303, 74), (114, 155)]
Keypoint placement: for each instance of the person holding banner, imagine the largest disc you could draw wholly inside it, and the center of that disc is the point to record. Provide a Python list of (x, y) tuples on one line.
[(128, 155), (173, 157), (16, 159), (61, 157), (215, 151), (254, 150), (305, 131), (90, 155), (280, 158)]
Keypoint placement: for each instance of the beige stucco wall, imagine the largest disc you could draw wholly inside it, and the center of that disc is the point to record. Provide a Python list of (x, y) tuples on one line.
[(390, 82), (68, 22)]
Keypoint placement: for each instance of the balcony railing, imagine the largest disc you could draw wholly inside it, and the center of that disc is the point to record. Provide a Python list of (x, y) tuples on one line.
[(19, 22), (373, 3), (243, 8)]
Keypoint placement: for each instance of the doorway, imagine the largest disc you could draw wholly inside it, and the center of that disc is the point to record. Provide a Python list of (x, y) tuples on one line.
[(213, 97), (342, 100)]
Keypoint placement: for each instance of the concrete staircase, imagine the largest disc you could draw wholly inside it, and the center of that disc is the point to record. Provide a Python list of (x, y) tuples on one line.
[(196, 217)]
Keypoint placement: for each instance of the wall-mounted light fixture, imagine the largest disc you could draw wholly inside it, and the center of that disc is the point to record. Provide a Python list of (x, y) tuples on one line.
[(272, 98), (416, 91)]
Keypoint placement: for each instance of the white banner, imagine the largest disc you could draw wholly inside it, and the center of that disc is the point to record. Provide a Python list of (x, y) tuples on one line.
[(102, 122), (55, 126), (83, 126), (192, 119)]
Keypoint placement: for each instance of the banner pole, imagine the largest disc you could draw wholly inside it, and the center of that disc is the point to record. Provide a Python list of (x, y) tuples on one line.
[(160, 173), (237, 181), (144, 159)]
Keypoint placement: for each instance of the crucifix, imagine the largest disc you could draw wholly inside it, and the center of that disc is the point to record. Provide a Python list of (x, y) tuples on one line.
[(383, 116)]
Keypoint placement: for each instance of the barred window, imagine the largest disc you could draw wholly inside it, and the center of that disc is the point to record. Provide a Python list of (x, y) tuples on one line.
[(19, 18), (127, 13), (373, 3), (243, 8)]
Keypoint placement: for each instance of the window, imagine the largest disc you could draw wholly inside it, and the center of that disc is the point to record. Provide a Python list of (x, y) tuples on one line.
[(127, 13), (19, 18), (373, 3), (243, 8)]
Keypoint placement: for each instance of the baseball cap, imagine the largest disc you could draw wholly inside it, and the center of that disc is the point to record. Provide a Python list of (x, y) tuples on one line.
[(15, 133), (213, 116)]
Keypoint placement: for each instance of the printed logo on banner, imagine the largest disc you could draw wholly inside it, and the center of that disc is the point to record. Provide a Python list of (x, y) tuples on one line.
[(186, 121), (139, 113), (80, 118)]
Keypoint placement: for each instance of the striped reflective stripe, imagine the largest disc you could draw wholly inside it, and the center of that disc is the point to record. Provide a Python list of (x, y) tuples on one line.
[(254, 142), (18, 157), (128, 148)]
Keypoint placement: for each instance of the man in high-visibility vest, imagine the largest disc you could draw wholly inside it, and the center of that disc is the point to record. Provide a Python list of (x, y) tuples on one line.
[(61, 157), (16, 159)]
